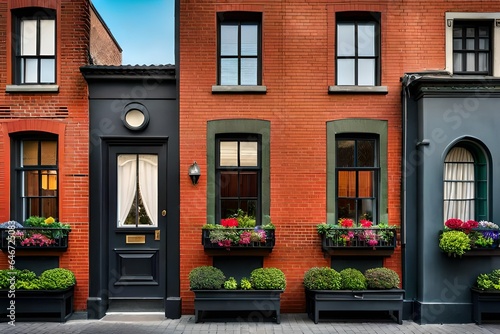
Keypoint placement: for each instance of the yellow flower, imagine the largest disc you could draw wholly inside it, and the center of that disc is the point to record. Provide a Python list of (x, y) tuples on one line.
[(49, 220)]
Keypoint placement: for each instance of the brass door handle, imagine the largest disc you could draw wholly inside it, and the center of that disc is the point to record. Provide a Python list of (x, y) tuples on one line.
[(163, 213)]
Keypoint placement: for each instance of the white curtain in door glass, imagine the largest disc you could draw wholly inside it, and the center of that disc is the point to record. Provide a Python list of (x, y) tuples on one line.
[(127, 185), (148, 185), (127, 171)]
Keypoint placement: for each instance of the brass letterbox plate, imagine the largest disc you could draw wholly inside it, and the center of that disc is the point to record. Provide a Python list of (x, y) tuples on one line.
[(135, 239)]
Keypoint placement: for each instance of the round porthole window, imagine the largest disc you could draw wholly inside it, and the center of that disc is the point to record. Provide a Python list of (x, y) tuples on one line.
[(135, 116)]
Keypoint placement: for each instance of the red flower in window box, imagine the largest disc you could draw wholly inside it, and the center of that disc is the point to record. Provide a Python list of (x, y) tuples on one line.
[(229, 222)]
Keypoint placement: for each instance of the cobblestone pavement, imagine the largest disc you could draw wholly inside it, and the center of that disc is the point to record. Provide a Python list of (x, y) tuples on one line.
[(290, 323)]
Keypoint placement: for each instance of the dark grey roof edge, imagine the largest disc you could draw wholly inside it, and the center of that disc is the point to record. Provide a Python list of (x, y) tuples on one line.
[(134, 72)]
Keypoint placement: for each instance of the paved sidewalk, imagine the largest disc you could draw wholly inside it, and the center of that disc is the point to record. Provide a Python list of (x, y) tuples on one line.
[(290, 323)]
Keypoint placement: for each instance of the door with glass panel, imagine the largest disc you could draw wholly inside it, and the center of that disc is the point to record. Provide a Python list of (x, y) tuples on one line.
[(137, 221)]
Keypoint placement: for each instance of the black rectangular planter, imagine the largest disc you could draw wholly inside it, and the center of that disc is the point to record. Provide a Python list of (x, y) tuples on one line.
[(251, 249), (264, 301), (58, 237), (349, 300), (484, 302), (38, 305), (356, 244)]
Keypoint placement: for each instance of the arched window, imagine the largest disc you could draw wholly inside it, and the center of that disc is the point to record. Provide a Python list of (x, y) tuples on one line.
[(465, 183)]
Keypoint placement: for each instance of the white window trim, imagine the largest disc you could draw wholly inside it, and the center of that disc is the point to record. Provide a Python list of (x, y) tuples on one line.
[(450, 17)]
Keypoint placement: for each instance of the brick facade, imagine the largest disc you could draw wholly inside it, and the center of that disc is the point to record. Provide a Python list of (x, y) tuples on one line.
[(64, 113), (298, 65)]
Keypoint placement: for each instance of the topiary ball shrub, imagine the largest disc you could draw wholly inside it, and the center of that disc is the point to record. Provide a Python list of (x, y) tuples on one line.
[(324, 278), (352, 279), (56, 279), (382, 278), (206, 278), (268, 279)]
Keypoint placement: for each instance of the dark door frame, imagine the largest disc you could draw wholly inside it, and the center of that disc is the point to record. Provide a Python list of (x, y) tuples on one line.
[(98, 300)]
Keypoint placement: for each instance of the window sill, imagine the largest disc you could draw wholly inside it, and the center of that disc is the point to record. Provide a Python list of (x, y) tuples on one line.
[(32, 88), (224, 89), (357, 90)]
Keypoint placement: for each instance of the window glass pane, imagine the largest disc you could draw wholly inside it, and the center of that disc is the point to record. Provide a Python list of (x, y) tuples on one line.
[(249, 71), (345, 40), (366, 72), (345, 153), (366, 39), (47, 71), (469, 44), (229, 71), (30, 153), (228, 153), (457, 32), (346, 184), (249, 40), (366, 182), (248, 153), (49, 207), (457, 62), (49, 181), (346, 208), (367, 208), (484, 44), (470, 62), (345, 72), (49, 153), (483, 62), (249, 206), (366, 153), (228, 184), (228, 207), (248, 184), (31, 71), (28, 37), (470, 32), (47, 37), (457, 44), (483, 32), (31, 184), (229, 40)]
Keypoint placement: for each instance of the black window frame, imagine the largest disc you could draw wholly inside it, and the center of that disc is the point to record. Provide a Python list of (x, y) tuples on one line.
[(356, 18), (258, 169), (375, 217), (19, 209), (38, 14), (239, 18), (476, 24)]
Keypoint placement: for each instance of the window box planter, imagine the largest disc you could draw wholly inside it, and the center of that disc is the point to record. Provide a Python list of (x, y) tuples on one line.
[(461, 242), (267, 302), (34, 238), (359, 241), (484, 301), (38, 305), (230, 248), (349, 300)]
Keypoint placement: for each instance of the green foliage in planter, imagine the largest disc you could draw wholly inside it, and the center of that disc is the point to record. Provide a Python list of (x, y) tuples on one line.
[(382, 278), (51, 279), (352, 279), (324, 278), (21, 277), (454, 242), (206, 278), (489, 281), (231, 284), (245, 284), (268, 279), (57, 278)]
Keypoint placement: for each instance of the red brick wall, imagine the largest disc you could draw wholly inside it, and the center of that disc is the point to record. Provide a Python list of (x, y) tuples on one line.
[(103, 47), (64, 113), (298, 66)]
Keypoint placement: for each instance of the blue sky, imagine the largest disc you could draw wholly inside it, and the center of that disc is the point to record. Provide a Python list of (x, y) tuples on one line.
[(143, 28)]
